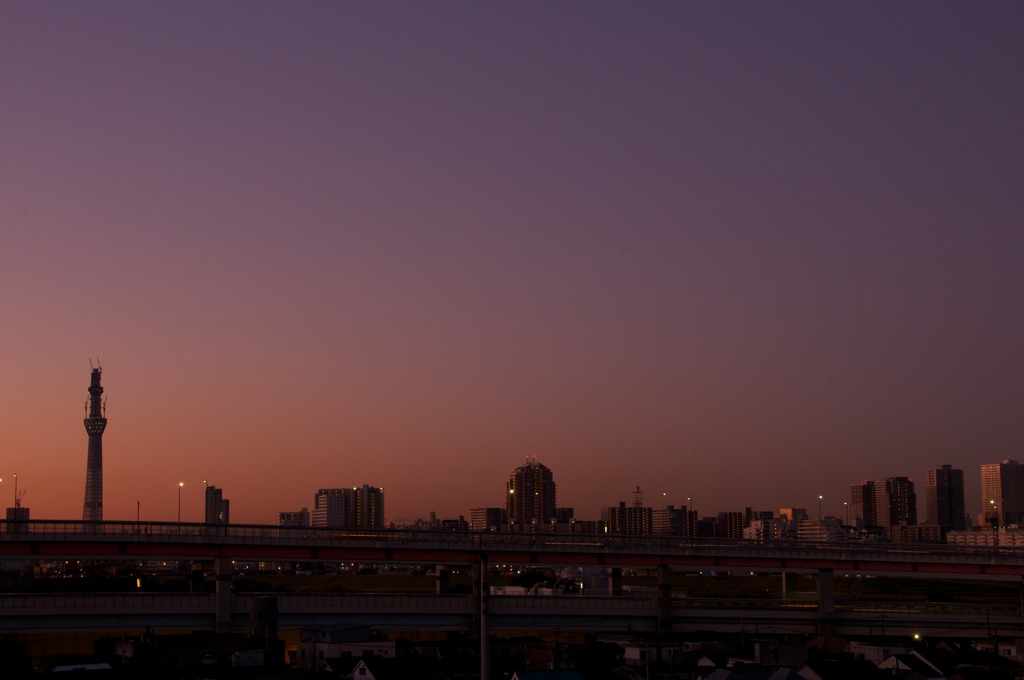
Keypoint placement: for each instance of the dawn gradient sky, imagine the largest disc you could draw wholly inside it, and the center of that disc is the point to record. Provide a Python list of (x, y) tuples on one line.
[(744, 252)]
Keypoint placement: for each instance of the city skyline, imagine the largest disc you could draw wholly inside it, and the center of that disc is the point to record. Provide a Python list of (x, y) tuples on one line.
[(897, 504), (530, 494), (724, 252)]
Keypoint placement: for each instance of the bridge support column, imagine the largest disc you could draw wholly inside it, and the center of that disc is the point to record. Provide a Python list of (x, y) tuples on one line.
[(476, 583), (664, 600), (441, 572), (481, 615), (615, 581), (222, 594), (826, 601)]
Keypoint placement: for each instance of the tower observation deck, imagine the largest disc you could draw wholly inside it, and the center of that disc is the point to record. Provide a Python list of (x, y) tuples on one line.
[(95, 424)]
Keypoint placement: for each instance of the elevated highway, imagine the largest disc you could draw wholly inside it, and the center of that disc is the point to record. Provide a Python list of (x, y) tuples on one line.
[(221, 546)]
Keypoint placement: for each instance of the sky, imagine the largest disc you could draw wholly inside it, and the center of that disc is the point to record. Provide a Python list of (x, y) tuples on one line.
[(742, 253)]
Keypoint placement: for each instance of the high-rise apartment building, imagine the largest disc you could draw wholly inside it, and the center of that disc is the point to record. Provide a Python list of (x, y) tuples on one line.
[(217, 507), (730, 525), (862, 504), (895, 502), (944, 497), (349, 508), (370, 506), (1002, 492), (331, 508), (886, 502), (530, 494), (629, 520), (669, 521)]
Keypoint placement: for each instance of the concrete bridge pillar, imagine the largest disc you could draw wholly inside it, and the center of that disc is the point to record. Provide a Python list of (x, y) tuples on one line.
[(441, 575), (615, 581), (481, 618), (664, 599), (477, 583), (826, 601), (222, 594)]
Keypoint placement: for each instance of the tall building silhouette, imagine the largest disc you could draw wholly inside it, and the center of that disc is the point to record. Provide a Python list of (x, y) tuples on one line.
[(218, 508), (530, 494), (1002, 492), (886, 502), (357, 507), (944, 497), (896, 502), (862, 504), (635, 520), (95, 424)]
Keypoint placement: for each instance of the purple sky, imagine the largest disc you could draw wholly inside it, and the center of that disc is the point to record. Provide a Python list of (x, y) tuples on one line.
[(744, 253)]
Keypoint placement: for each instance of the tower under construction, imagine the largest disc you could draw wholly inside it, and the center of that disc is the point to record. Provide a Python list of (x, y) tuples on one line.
[(95, 424)]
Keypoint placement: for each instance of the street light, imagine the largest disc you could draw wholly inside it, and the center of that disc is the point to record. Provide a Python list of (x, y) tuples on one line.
[(846, 508), (180, 484), (819, 506)]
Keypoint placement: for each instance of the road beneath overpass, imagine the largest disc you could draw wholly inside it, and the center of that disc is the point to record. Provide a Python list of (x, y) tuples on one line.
[(512, 614)]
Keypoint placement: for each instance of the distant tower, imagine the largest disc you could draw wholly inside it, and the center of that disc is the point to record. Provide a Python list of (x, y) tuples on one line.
[(95, 424)]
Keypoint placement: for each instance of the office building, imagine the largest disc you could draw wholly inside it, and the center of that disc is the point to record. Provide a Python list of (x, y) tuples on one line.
[(1002, 493), (944, 498), (95, 425), (530, 495), (217, 507)]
